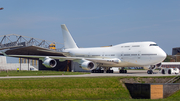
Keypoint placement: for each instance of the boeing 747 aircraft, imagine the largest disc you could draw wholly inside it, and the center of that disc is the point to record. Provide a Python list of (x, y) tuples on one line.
[(132, 54)]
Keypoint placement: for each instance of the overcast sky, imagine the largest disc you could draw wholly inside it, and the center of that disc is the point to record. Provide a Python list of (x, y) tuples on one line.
[(94, 23)]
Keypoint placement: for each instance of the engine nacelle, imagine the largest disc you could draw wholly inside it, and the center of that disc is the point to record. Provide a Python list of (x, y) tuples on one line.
[(88, 65), (49, 63)]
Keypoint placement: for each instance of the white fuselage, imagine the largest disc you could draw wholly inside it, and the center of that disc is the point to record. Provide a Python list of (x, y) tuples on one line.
[(134, 54)]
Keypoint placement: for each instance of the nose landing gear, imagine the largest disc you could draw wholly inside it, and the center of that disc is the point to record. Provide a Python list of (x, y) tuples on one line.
[(153, 67), (150, 72)]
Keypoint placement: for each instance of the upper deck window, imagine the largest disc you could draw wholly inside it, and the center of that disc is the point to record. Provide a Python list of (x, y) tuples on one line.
[(153, 45)]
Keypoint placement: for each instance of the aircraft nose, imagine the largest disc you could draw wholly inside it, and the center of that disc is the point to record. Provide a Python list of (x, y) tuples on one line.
[(162, 55)]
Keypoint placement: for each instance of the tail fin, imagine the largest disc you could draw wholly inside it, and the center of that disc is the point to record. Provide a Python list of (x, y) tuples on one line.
[(68, 40)]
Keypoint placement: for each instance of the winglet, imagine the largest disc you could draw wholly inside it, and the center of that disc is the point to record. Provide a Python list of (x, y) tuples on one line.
[(68, 40)]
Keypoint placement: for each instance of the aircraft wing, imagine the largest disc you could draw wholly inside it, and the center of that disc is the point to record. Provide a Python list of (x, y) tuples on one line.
[(96, 60)]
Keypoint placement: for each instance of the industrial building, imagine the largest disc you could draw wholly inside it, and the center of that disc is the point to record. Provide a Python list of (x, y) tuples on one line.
[(13, 66), (14, 44), (176, 53)]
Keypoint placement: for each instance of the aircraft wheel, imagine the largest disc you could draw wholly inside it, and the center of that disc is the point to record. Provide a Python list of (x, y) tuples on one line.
[(163, 71), (149, 71), (123, 71), (111, 71), (169, 71)]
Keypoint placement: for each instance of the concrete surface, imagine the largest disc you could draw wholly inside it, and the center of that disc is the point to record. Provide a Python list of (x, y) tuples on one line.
[(141, 73)]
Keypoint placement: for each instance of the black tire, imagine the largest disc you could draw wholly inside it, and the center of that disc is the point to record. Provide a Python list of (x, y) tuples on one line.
[(169, 71), (163, 71), (122, 71), (149, 72), (125, 71)]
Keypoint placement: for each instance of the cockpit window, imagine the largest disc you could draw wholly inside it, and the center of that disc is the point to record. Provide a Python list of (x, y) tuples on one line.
[(153, 45)]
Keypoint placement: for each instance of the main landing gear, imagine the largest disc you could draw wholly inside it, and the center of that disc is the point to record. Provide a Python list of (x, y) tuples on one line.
[(107, 70), (122, 70), (97, 71), (100, 70)]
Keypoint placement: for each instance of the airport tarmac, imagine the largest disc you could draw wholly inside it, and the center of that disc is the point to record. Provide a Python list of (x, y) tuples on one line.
[(130, 73)]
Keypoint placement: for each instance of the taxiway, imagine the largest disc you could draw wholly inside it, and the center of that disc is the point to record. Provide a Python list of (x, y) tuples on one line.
[(131, 73)]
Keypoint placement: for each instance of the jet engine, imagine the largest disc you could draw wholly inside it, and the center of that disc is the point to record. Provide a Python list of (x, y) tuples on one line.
[(49, 63), (88, 65)]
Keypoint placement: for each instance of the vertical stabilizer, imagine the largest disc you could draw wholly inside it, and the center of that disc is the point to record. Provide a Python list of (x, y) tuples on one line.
[(68, 40)]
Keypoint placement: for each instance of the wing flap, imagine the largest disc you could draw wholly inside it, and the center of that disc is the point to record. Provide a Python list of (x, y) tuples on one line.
[(51, 51)]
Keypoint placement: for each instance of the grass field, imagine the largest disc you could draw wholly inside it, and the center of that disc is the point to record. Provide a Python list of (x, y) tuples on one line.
[(38, 73), (91, 88), (62, 89)]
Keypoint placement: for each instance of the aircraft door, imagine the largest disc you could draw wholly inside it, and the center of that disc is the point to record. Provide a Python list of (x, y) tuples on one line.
[(89, 54), (139, 54), (122, 55)]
